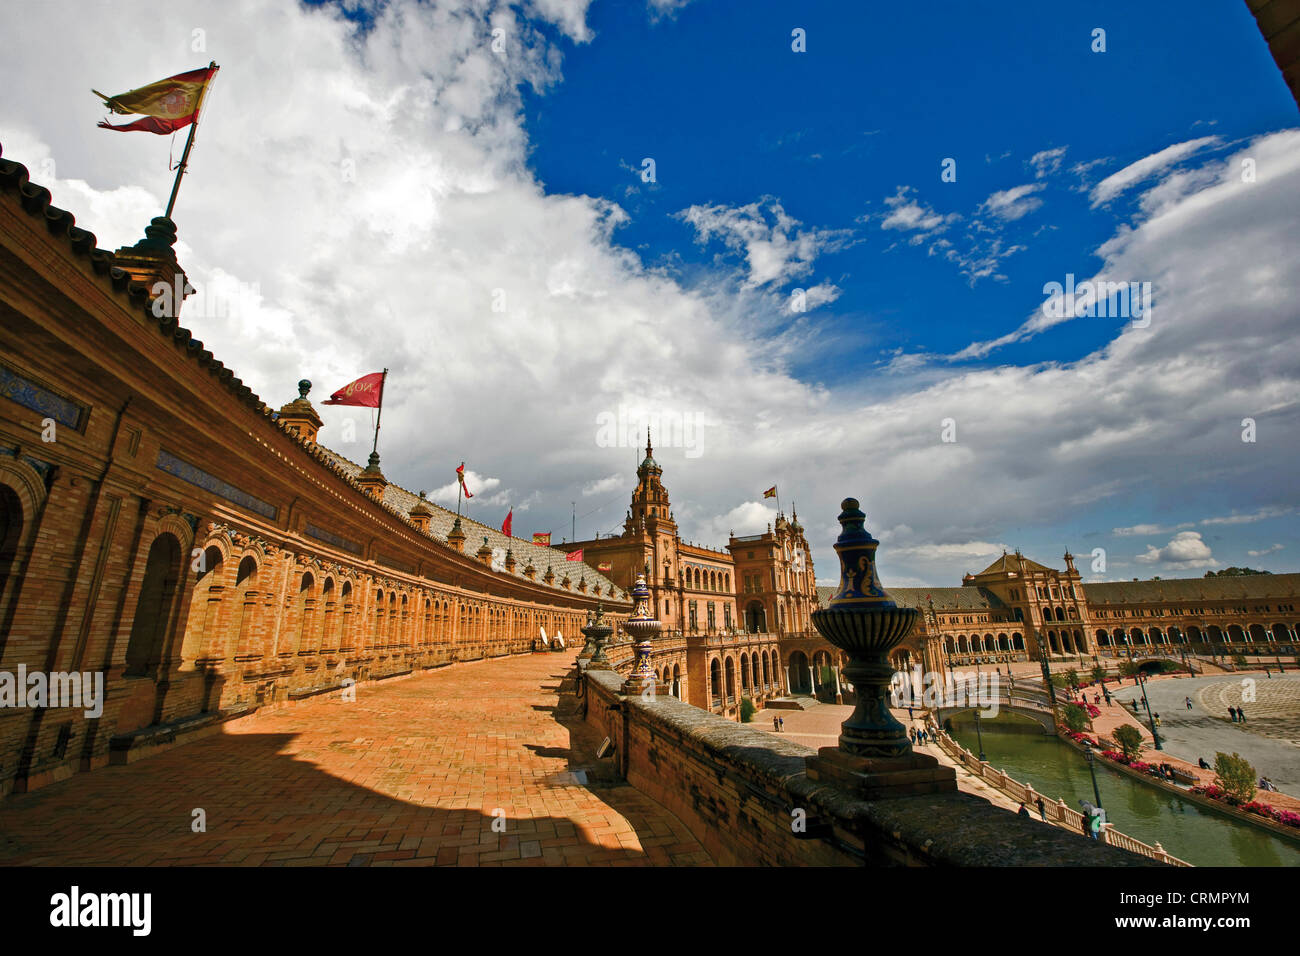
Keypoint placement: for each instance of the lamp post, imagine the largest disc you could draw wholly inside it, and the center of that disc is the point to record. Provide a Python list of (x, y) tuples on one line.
[(979, 735), (1155, 734), (1092, 769)]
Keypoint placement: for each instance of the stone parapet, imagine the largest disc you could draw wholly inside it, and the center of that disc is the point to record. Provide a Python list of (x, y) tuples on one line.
[(749, 800)]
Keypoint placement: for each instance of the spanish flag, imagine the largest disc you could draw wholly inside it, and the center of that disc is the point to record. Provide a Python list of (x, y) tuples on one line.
[(542, 537), (770, 493), (168, 105)]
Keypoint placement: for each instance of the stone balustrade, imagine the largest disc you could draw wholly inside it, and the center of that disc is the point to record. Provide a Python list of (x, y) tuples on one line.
[(1056, 810)]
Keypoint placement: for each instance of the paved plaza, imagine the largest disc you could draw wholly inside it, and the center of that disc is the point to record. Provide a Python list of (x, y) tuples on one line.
[(413, 772), (1270, 738)]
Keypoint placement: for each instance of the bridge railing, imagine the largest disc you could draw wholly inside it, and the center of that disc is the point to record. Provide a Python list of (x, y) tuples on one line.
[(1056, 811)]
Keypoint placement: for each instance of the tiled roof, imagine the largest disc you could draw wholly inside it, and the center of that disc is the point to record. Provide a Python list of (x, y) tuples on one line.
[(1008, 562), (1246, 587), (945, 599), (441, 521), (37, 201)]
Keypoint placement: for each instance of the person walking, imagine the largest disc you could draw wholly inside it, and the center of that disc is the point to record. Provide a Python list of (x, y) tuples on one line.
[(1042, 809), (1188, 701), (1232, 712), (1241, 713)]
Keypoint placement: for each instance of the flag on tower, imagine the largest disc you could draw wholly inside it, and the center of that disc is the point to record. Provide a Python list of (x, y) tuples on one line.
[(367, 391), (168, 105), (460, 476), (770, 493), (605, 566), (574, 555), (506, 525), (542, 537)]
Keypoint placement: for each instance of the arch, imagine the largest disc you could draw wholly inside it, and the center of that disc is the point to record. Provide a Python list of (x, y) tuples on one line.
[(730, 668), (744, 672), (204, 621), (715, 681), (1235, 634), (1018, 641), (1258, 634), (151, 623), (800, 673), (756, 618), (767, 670), (755, 674)]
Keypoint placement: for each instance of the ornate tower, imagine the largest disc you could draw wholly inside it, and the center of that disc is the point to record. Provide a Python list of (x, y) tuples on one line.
[(650, 506)]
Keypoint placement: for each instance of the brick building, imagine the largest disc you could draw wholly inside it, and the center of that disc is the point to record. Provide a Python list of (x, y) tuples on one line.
[(163, 528)]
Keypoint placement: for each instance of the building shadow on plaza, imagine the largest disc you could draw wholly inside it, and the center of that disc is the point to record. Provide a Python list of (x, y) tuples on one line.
[(263, 806)]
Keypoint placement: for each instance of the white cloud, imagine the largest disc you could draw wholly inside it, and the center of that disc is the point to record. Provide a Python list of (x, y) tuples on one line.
[(1271, 549), (775, 249), (1047, 161), (909, 215), (1262, 514), (1145, 168), (1014, 203), (1184, 551), (605, 485)]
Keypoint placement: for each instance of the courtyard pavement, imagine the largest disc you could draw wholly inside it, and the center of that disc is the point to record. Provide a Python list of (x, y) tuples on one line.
[(1270, 738), (414, 772)]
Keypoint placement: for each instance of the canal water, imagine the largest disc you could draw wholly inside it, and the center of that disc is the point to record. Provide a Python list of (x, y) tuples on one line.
[(1185, 830)]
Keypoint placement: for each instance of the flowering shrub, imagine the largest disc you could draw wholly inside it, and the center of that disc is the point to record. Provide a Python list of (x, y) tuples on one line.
[(1139, 765), (1093, 710), (1114, 755), (1287, 818)]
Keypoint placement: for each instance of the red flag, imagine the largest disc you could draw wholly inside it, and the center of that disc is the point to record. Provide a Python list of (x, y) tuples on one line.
[(505, 527), (542, 537), (167, 105), (606, 566), (460, 474), (574, 555), (368, 391)]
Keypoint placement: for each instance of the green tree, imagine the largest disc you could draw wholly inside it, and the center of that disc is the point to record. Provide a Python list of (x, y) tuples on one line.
[(1075, 717), (1127, 668), (1071, 678), (1239, 660), (1235, 776), (746, 710), (1129, 739), (1098, 674)]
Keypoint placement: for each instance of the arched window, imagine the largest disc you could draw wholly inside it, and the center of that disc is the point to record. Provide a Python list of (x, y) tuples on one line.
[(151, 623)]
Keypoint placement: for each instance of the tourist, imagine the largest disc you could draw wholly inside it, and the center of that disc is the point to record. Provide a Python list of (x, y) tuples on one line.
[(1023, 811), (775, 725), (1241, 713), (1042, 809), (781, 721), (1094, 826), (1232, 712), (1188, 701)]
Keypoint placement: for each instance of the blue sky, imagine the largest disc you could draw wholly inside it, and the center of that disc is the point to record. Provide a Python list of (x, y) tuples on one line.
[(480, 214)]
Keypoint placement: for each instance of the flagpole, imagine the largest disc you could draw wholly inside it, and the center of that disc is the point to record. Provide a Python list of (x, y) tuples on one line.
[(380, 413), (189, 143)]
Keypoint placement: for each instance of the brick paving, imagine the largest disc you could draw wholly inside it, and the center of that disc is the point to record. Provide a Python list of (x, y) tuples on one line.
[(412, 773)]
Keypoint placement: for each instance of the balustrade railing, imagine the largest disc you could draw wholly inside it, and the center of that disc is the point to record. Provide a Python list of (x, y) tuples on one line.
[(1056, 811)]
